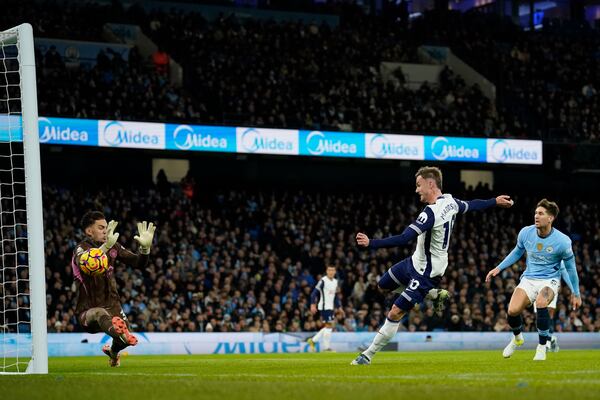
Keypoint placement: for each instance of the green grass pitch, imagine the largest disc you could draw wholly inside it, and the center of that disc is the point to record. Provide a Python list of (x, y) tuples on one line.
[(567, 375)]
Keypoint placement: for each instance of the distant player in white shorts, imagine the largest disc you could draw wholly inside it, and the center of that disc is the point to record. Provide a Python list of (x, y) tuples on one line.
[(324, 299)]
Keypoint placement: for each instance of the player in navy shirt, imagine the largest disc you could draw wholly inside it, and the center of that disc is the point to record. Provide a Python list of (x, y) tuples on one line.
[(424, 270)]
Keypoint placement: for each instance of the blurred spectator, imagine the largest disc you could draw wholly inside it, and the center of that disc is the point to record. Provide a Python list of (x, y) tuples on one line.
[(224, 264), (161, 61), (52, 59)]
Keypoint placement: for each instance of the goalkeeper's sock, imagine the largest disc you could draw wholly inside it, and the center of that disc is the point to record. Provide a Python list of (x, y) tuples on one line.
[(117, 345), (383, 337), (327, 338), (543, 325), (319, 335)]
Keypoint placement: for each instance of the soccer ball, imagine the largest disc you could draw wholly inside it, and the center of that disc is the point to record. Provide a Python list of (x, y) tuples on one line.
[(93, 262)]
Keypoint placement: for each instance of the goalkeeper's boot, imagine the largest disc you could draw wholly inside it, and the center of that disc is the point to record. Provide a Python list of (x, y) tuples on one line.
[(361, 360), (516, 341), (552, 345), (311, 344), (540, 353), (439, 303), (114, 360), (121, 329)]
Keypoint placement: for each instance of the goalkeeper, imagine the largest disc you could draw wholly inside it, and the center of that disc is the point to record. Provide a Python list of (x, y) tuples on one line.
[(98, 302)]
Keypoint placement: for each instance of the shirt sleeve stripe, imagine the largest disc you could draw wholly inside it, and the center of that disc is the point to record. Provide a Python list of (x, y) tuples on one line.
[(415, 228)]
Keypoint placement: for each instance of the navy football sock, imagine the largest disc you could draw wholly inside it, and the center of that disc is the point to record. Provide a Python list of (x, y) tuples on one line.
[(516, 324), (543, 324)]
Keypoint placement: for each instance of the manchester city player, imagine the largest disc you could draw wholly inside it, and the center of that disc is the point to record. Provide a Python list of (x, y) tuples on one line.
[(424, 270), (546, 247)]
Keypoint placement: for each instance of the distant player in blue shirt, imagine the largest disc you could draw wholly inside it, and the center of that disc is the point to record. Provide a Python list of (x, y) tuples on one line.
[(423, 271), (546, 249)]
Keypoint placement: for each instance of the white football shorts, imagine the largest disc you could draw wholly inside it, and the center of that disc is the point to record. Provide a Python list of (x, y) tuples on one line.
[(533, 286)]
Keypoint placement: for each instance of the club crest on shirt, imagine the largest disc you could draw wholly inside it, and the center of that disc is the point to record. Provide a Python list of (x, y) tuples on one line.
[(422, 218), (539, 246), (549, 249)]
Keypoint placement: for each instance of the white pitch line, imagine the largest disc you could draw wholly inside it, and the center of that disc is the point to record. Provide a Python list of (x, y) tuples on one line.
[(473, 377), (129, 374)]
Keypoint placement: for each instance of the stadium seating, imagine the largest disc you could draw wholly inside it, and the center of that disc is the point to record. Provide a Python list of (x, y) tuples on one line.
[(209, 273)]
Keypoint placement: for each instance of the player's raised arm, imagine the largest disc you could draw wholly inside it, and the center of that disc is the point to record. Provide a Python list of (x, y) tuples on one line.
[(145, 236), (111, 236), (423, 223), (144, 239), (514, 256), (503, 201)]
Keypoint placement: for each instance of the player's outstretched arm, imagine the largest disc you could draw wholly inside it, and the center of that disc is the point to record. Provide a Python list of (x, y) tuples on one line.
[(514, 256), (144, 239), (111, 236), (145, 236), (492, 274), (503, 201), (405, 237), (362, 240), (423, 223)]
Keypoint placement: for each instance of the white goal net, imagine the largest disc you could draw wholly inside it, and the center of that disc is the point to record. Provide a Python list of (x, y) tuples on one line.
[(23, 343)]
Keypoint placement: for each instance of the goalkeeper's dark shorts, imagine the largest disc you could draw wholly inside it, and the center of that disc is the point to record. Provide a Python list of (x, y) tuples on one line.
[(92, 325)]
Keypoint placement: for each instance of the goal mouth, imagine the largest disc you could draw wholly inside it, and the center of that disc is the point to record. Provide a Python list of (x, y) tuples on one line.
[(23, 337)]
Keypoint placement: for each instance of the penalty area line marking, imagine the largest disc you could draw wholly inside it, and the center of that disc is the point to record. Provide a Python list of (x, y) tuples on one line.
[(134, 374)]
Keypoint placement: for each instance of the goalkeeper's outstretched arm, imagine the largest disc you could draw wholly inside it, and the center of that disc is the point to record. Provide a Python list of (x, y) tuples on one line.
[(144, 238)]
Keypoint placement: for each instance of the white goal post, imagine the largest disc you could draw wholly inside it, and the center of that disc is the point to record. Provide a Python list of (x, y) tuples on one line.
[(23, 324)]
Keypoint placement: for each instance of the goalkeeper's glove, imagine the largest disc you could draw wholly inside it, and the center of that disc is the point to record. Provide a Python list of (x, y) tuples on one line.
[(111, 237), (144, 236)]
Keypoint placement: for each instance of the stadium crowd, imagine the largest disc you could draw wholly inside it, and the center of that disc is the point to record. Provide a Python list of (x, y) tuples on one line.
[(547, 80), (308, 75), (302, 75), (314, 76), (247, 260), (111, 89)]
